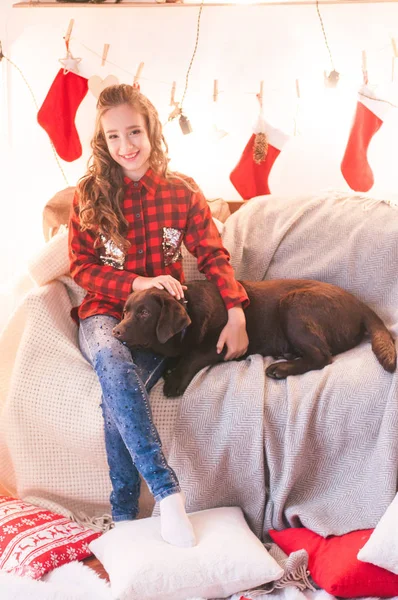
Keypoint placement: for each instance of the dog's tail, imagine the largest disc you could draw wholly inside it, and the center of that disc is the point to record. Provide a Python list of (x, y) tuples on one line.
[(382, 342)]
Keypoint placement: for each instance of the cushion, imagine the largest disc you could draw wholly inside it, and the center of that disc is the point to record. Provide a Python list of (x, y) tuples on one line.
[(333, 562), (228, 558), (219, 209), (34, 541), (56, 212), (381, 549)]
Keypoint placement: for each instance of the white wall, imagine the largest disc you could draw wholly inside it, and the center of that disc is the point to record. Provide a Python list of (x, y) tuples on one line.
[(239, 46)]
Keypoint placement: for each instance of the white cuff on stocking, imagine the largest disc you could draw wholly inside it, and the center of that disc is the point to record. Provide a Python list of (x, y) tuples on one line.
[(275, 137), (377, 106)]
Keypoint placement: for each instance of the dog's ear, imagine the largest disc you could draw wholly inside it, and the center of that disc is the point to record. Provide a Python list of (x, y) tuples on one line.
[(173, 318)]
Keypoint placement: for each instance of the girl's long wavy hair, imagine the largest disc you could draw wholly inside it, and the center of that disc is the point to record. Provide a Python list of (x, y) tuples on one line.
[(101, 189)]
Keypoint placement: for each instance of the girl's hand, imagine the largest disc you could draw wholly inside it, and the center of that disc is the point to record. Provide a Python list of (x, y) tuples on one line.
[(234, 334), (162, 282)]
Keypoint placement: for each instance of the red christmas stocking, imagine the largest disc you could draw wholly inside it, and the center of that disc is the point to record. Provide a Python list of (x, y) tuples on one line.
[(368, 119), (250, 176), (57, 114)]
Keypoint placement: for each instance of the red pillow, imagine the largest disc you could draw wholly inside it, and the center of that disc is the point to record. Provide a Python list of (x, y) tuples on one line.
[(333, 562), (34, 541)]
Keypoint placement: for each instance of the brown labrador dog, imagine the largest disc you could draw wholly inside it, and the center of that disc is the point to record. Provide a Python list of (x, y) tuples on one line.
[(302, 320)]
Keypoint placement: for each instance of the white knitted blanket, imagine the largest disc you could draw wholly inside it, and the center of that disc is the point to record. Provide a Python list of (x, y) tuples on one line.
[(319, 449)]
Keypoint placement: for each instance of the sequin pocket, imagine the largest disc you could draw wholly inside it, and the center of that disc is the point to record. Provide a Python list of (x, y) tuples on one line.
[(172, 239), (111, 255)]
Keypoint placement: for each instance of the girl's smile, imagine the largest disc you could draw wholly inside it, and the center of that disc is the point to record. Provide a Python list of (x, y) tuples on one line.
[(130, 156)]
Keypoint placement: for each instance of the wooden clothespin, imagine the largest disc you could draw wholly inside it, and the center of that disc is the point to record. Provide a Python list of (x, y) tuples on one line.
[(138, 75), (394, 47), (173, 93), (69, 33), (394, 56), (298, 89), (260, 95), (176, 112), (298, 103), (365, 68), (104, 54), (215, 90)]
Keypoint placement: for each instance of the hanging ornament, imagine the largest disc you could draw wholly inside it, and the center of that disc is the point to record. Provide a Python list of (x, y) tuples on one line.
[(369, 116), (70, 63), (217, 133), (250, 176), (332, 79), (58, 111), (96, 84), (184, 123)]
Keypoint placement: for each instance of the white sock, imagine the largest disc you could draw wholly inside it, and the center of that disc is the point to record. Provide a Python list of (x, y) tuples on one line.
[(175, 526)]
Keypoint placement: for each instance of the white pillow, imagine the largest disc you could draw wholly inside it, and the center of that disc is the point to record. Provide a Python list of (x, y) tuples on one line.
[(228, 558), (381, 549)]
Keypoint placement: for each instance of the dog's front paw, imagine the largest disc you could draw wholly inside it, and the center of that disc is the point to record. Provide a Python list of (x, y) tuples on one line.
[(172, 385), (278, 370)]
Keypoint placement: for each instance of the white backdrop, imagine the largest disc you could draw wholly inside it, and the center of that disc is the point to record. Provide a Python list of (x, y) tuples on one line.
[(239, 46)]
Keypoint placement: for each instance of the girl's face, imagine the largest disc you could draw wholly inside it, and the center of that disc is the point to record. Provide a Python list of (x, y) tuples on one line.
[(127, 139)]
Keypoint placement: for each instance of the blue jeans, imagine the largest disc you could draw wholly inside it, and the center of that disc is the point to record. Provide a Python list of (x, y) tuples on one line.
[(132, 442)]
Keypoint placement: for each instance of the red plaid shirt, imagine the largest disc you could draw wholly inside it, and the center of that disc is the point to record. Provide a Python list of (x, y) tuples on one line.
[(161, 215)]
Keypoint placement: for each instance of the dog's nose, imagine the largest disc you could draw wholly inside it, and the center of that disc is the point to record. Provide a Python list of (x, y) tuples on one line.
[(116, 332)]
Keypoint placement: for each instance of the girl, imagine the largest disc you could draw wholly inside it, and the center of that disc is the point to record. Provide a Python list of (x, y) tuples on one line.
[(130, 215)]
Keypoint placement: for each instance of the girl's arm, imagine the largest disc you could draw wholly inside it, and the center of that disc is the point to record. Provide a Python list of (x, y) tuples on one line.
[(203, 240), (234, 334), (86, 268)]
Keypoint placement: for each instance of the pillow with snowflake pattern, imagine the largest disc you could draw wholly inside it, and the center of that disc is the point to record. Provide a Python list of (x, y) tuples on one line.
[(34, 541)]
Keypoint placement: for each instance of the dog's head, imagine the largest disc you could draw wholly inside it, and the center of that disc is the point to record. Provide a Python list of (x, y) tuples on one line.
[(153, 319)]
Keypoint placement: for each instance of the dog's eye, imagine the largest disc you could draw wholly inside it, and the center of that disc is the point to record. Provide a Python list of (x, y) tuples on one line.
[(143, 313)]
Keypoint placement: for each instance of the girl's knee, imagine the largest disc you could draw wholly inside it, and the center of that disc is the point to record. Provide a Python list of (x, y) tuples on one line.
[(112, 355), (117, 367)]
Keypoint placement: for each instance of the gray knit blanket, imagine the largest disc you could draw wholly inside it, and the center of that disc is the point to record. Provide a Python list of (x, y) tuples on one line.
[(318, 450)]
